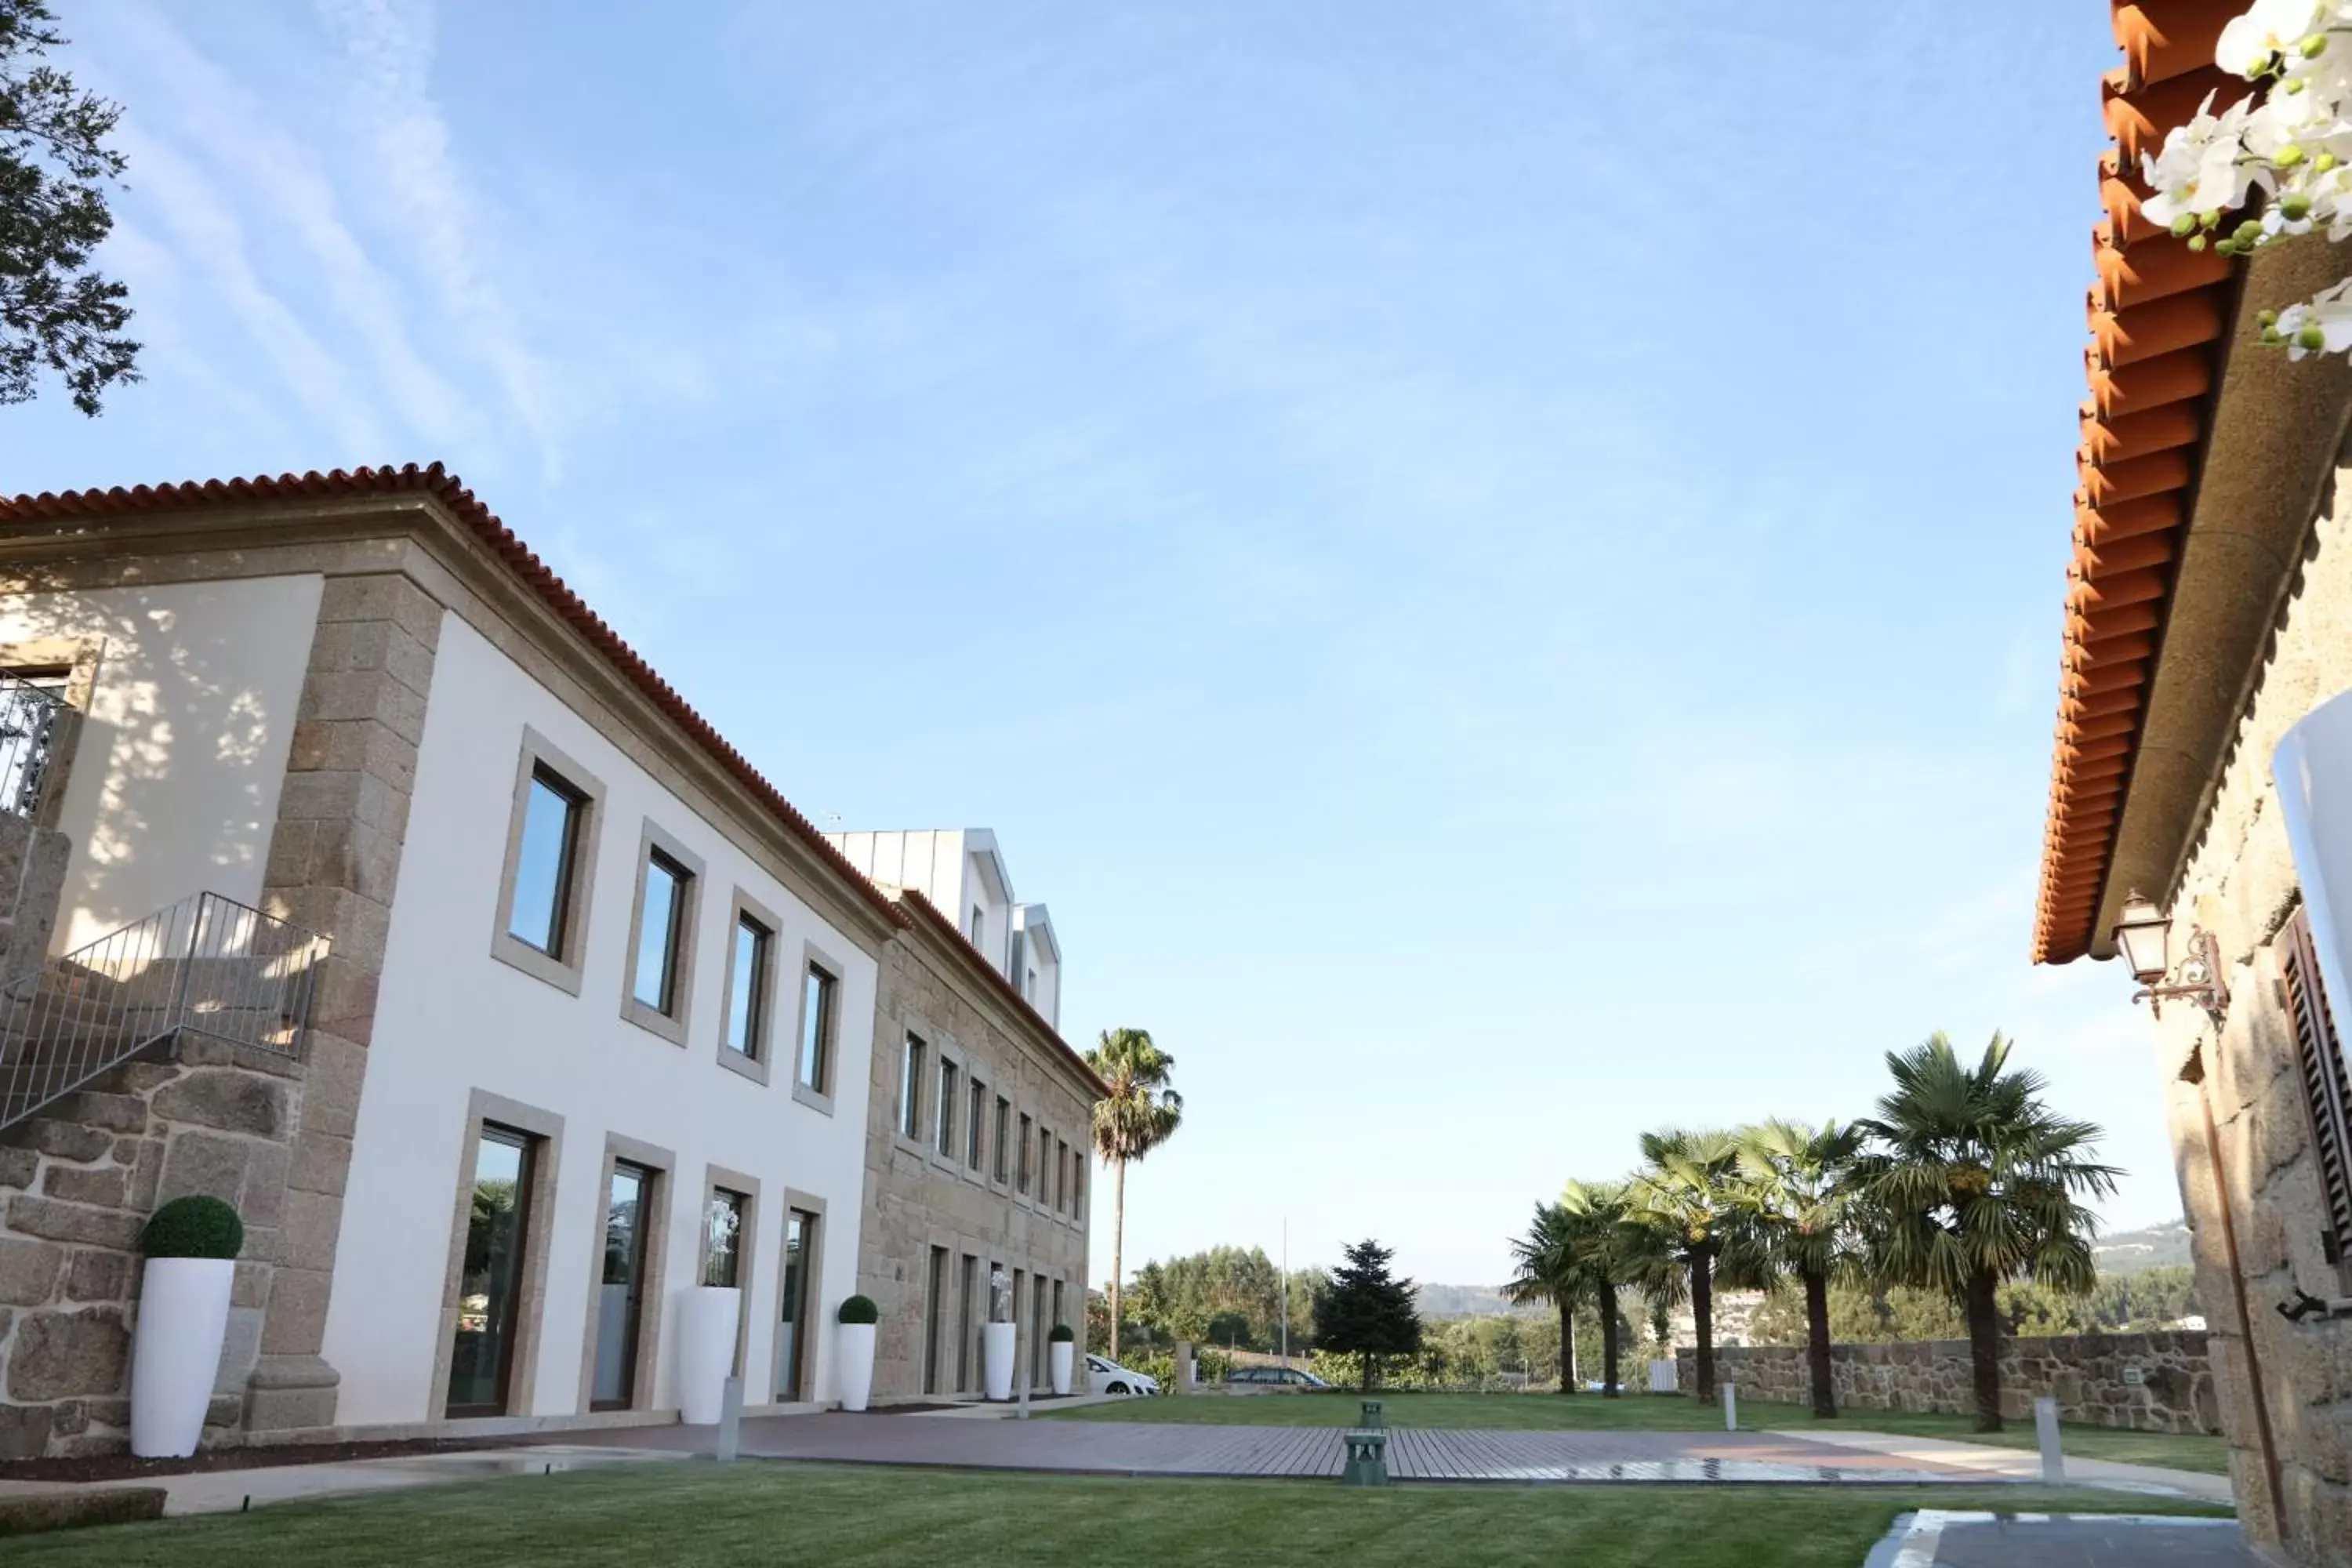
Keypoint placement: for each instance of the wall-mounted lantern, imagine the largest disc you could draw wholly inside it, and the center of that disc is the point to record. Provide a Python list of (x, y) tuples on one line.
[(2145, 935)]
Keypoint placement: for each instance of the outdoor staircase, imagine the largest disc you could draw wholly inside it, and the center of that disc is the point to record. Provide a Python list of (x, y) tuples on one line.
[(206, 965)]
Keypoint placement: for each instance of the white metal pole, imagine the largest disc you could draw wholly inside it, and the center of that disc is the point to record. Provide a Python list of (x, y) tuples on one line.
[(1285, 1291)]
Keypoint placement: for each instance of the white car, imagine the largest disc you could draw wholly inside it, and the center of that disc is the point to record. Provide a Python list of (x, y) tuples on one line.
[(1105, 1376)]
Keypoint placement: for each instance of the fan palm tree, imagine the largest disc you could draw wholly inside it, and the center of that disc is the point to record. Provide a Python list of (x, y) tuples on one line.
[(1140, 1113), (1978, 1182), (1682, 1194), (1794, 1185), (1553, 1267), (1601, 1234)]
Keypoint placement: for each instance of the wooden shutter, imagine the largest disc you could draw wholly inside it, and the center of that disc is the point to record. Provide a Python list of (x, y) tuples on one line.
[(2326, 1087)]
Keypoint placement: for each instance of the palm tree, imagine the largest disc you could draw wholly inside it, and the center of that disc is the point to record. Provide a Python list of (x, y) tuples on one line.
[(1140, 1113), (1979, 1182), (1600, 1216), (1682, 1192), (1794, 1185), (1553, 1267)]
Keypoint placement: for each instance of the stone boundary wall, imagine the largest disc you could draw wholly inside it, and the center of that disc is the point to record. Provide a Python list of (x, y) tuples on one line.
[(2146, 1383)]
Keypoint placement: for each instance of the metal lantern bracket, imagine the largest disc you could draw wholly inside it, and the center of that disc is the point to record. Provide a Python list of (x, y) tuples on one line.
[(2200, 980)]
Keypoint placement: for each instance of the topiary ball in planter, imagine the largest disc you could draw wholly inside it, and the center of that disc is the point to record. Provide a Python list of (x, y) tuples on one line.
[(1061, 1334), (192, 1227), (859, 1309)]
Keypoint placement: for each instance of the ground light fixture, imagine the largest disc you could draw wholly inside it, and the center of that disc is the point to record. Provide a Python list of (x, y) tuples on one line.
[(2144, 933)]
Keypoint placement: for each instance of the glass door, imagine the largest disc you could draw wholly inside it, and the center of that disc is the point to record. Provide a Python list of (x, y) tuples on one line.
[(489, 1289), (619, 1298), (791, 1342)]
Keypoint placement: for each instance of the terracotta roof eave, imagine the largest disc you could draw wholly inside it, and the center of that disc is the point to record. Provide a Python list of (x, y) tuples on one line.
[(2158, 315), (450, 492)]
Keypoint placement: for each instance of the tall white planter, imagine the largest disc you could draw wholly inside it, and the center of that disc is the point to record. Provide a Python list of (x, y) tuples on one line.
[(1063, 1354), (996, 1360), (707, 1316), (2313, 765), (853, 1348), (175, 1354)]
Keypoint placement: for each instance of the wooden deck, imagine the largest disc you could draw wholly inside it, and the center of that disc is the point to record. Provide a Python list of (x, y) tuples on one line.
[(1414, 1454)]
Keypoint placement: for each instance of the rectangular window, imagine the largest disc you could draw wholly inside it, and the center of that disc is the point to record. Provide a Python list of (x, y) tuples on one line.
[(818, 993), (723, 1239), (1077, 1183), (979, 923), (1061, 1175), (547, 861), (934, 1318), (491, 1282), (1022, 1184), (967, 1338), (746, 999), (1015, 963), (793, 1331), (1046, 1169), (949, 1102), (661, 926), (621, 1294), (1004, 1138), (973, 1120), (910, 1090)]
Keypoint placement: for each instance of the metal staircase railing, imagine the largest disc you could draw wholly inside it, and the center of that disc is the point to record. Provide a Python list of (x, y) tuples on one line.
[(205, 965)]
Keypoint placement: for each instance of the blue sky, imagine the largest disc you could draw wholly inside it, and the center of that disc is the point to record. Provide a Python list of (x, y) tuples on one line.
[(1497, 564)]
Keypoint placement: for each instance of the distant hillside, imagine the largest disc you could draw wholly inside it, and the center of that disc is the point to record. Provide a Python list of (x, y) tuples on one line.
[(1438, 1301), (2131, 1251)]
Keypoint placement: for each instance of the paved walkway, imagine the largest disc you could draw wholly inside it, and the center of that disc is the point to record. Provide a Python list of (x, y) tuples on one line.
[(2025, 1465), (1153, 1448), (227, 1492), (1938, 1539)]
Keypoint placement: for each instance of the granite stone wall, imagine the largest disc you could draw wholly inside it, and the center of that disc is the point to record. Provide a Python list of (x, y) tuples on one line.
[(2251, 1189), (2147, 1382), (919, 1198), (79, 1182)]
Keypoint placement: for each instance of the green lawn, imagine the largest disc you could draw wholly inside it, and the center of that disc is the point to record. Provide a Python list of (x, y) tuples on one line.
[(848, 1517), (1589, 1412)]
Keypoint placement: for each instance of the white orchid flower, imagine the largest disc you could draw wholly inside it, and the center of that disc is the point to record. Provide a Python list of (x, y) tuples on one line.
[(2203, 166), (2267, 29), (2324, 325)]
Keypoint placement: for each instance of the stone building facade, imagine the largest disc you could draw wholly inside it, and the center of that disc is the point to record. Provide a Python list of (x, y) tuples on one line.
[(977, 1154), (336, 699), (2146, 1383), (2207, 611)]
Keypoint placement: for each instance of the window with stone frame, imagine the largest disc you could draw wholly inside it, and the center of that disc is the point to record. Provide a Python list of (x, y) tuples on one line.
[(950, 1101), (973, 1125), (911, 1090)]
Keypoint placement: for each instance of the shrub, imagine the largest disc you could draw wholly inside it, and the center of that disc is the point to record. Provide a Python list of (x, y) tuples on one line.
[(859, 1309), (1061, 1334), (194, 1227)]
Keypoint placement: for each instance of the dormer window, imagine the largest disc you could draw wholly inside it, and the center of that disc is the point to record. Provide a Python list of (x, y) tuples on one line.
[(978, 918)]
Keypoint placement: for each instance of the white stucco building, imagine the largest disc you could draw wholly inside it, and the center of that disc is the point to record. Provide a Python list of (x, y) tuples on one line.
[(597, 1022), (961, 872)]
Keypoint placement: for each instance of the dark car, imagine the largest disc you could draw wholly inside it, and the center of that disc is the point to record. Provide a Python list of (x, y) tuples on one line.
[(1274, 1376)]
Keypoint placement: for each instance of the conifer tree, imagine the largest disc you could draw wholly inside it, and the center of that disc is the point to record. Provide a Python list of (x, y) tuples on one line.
[(1368, 1314)]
